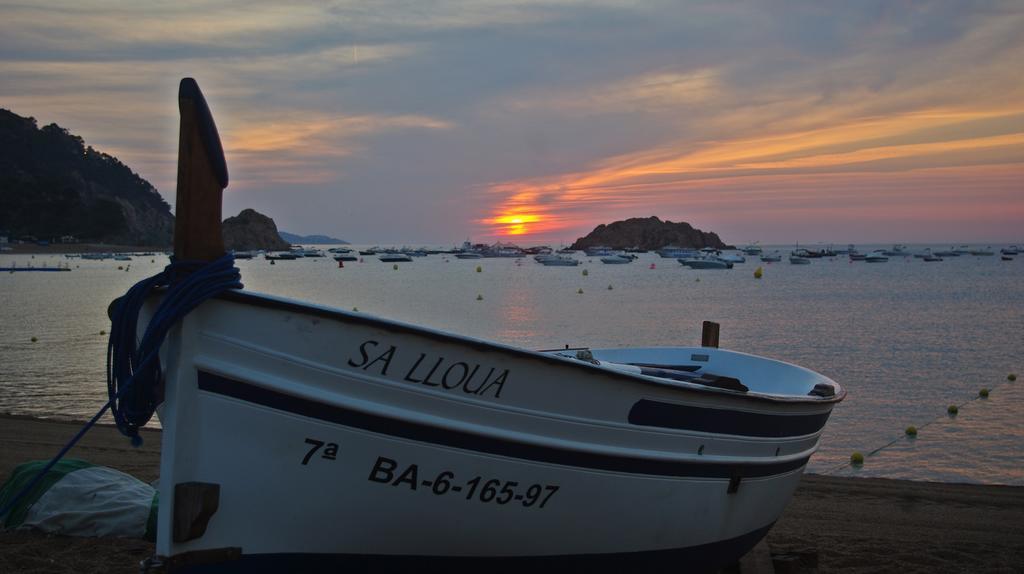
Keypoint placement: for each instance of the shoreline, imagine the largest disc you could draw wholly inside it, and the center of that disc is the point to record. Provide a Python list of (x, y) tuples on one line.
[(75, 248), (852, 524)]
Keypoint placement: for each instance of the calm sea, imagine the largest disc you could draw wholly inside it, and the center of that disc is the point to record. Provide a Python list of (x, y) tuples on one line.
[(906, 338)]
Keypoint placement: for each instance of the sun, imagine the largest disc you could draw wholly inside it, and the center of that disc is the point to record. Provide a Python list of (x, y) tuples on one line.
[(515, 223)]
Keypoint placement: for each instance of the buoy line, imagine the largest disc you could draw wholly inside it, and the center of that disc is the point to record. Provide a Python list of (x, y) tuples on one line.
[(951, 411)]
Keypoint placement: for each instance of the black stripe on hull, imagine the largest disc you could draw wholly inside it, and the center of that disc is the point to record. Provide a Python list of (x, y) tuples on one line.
[(219, 385), (721, 421), (703, 558)]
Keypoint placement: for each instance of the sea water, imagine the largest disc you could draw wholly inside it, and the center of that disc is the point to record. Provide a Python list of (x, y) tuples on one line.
[(906, 338)]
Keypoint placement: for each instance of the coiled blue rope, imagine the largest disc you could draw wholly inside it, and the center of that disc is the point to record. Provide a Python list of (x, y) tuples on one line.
[(134, 378)]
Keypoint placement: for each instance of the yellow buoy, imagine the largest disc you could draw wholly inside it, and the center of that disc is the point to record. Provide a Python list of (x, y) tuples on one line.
[(479, 297), (355, 309), (580, 291), (34, 339), (952, 410), (983, 393), (103, 332), (479, 269), (758, 273), (911, 431), (585, 273), (609, 287), (856, 459), (1011, 377)]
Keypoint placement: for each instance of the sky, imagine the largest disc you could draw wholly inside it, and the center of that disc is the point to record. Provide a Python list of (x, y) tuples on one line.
[(433, 122)]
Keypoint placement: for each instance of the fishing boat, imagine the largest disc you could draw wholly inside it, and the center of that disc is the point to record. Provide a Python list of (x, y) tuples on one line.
[(298, 437), (876, 257)]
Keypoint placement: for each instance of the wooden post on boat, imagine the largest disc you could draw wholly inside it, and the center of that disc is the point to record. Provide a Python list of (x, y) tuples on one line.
[(709, 334), (202, 177)]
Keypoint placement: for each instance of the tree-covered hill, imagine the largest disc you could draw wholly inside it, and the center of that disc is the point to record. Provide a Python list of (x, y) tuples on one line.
[(52, 184)]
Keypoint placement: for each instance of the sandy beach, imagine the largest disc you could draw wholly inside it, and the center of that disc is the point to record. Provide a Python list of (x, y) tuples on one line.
[(851, 524)]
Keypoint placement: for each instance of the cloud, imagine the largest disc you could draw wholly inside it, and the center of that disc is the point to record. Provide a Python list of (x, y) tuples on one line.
[(559, 114)]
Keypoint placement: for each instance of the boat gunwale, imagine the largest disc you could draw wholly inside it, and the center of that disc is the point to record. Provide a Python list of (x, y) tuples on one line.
[(277, 302)]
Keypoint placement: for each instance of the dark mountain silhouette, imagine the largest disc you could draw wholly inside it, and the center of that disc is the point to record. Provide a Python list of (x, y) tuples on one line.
[(52, 184)]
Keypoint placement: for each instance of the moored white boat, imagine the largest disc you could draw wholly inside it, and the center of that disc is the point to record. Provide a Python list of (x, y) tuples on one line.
[(394, 257), (298, 437), (705, 262), (551, 260), (876, 257), (795, 259), (616, 259)]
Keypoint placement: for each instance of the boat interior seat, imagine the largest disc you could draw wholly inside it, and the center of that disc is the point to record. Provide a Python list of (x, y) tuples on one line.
[(706, 379)]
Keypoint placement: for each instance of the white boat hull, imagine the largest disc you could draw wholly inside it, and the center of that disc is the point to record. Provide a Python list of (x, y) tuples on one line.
[(339, 439)]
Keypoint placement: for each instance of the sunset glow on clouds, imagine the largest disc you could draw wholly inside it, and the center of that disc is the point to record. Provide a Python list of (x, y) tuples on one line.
[(772, 121)]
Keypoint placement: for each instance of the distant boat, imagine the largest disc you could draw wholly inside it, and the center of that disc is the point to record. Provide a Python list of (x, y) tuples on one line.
[(616, 259), (469, 255), (1006, 257), (345, 257), (394, 257), (798, 259), (557, 261), (1011, 250), (281, 256), (856, 255), (773, 257), (243, 254), (705, 262), (673, 252), (897, 251), (983, 252), (27, 268), (930, 257), (122, 258), (876, 257), (732, 257), (753, 250), (598, 251), (948, 253)]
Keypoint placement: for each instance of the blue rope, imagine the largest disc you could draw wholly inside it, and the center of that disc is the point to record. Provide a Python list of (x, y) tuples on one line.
[(134, 378)]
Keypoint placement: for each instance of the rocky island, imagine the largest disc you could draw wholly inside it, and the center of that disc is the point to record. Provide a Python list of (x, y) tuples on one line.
[(251, 230), (648, 233)]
